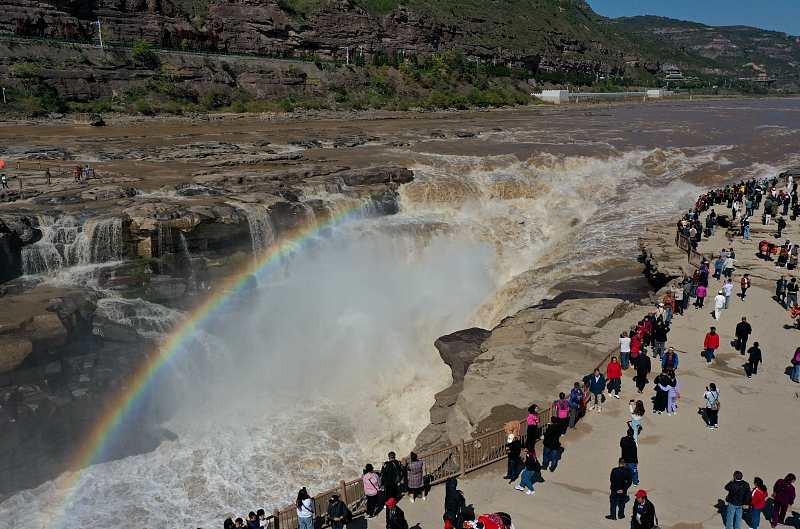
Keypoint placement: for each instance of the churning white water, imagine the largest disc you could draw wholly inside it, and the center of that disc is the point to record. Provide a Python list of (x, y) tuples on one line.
[(328, 366)]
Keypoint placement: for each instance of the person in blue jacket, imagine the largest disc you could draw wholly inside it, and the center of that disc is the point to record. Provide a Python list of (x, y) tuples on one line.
[(596, 383), (670, 359)]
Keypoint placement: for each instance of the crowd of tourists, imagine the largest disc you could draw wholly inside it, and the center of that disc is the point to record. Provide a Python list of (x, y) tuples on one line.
[(643, 349)]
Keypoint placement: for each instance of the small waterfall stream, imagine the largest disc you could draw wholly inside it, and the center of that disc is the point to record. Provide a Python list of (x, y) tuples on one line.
[(262, 233), (66, 242)]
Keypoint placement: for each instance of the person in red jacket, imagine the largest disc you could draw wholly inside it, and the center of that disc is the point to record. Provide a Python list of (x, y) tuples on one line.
[(758, 500), (636, 348), (614, 376), (710, 344)]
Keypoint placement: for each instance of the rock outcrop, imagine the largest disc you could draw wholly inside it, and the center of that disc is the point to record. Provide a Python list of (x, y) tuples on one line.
[(528, 358)]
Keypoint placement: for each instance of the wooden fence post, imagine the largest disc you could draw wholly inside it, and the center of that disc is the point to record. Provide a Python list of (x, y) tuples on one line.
[(276, 515), (343, 491), (463, 452)]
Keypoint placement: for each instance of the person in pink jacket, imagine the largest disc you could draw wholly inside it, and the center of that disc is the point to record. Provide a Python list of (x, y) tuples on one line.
[(701, 296)]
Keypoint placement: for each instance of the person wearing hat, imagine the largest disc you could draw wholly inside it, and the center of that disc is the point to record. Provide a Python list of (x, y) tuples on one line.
[(719, 304), (644, 512), (338, 513), (395, 517)]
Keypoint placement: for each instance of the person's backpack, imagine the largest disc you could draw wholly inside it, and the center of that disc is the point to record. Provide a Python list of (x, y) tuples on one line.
[(714, 404)]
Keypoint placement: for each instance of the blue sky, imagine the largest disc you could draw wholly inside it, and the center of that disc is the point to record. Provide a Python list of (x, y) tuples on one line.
[(780, 15)]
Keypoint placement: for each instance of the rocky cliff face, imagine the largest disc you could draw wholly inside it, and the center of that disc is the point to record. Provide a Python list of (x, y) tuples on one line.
[(334, 29), (272, 27)]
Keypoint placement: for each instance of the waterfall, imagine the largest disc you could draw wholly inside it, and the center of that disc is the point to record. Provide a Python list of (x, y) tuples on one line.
[(262, 234), (186, 258), (66, 242), (164, 239), (105, 238)]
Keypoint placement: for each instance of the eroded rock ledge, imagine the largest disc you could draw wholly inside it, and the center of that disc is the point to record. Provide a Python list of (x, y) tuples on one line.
[(531, 356)]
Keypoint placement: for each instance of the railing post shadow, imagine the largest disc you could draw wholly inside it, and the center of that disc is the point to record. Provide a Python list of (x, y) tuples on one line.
[(463, 463)]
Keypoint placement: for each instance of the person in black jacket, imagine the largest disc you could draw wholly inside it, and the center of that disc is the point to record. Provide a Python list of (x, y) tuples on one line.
[(644, 512), (743, 332), (642, 370), (630, 454), (338, 513), (621, 480), (753, 359), (395, 517), (454, 503), (551, 445), (392, 477), (514, 449), (738, 496)]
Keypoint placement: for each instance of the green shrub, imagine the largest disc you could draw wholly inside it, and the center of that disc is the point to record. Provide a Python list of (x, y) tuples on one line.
[(143, 55)]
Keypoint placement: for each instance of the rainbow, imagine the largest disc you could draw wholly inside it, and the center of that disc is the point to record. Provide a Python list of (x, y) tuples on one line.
[(93, 448)]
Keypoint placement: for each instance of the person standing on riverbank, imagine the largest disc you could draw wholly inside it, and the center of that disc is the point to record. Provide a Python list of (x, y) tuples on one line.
[(514, 455), (614, 376), (597, 386), (620, 481), (533, 431), (758, 500), (791, 292), (795, 372), (371, 482), (642, 370), (780, 290), (644, 512), (744, 284), (561, 411), (637, 414), (575, 404), (392, 476), (738, 496), (551, 446), (395, 517), (624, 350), (415, 478), (719, 304), (743, 332), (727, 289), (629, 453), (783, 495), (710, 345), (711, 397), (530, 473), (305, 509), (753, 359), (700, 296), (670, 360)]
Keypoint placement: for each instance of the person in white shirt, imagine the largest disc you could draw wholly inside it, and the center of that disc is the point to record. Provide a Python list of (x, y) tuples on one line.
[(305, 509), (727, 288), (624, 350), (719, 304)]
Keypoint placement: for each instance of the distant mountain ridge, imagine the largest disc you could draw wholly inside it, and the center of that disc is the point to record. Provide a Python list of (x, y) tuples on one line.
[(429, 53), (737, 50)]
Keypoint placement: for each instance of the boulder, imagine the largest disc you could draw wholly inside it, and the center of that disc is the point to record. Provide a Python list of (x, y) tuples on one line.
[(459, 349), (376, 175), (46, 331), (13, 351)]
